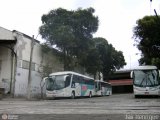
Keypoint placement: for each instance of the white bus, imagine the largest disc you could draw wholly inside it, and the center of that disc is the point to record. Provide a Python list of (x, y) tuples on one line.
[(69, 84), (146, 81), (102, 88)]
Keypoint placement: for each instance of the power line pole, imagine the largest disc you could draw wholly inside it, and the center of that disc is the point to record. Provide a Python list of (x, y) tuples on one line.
[(30, 69), (150, 6)]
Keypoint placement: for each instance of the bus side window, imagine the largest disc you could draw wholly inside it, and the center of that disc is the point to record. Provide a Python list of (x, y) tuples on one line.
[(96, 85), (67, 81), (159, 77), (74, 80), (82, 80)]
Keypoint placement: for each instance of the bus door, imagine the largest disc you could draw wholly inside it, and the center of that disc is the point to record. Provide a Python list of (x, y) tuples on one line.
[(76, 86), (98, 89)]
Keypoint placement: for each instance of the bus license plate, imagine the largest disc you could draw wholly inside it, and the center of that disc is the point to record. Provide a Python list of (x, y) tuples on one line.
[(146, 93)]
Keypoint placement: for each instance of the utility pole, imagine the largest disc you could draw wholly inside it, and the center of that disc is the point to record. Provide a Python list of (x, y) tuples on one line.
[(150, 6), (30, 69)]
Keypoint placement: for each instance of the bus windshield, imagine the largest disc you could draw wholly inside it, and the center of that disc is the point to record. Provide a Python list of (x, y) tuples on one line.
[(57, 82), (146, 78)]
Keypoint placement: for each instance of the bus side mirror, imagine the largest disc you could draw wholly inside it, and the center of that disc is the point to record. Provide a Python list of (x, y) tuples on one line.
[(131, 74), (43, 82)]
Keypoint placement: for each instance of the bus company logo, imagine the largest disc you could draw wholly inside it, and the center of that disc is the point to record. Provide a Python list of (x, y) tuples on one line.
[(84, 87), (4, 116)]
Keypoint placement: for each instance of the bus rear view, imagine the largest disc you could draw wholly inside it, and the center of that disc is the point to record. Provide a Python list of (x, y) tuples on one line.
[(146, 81)]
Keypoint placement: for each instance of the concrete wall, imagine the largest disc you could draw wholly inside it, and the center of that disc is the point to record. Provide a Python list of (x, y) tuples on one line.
[(5, 68), (6, 39), (6, 34), (39, 61), (21, 83)]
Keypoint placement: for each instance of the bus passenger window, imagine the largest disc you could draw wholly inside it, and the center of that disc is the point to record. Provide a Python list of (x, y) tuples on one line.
[(73, 84), (67, 81)]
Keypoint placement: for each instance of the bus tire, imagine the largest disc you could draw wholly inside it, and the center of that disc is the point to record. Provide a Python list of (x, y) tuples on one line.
[(101, 94), (90, 94), (73, 95)]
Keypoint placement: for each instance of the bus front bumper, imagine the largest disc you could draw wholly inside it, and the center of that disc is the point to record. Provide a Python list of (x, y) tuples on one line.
[(53, 94)]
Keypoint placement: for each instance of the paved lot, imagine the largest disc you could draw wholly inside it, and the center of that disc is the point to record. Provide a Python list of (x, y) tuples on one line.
[(115, 107)]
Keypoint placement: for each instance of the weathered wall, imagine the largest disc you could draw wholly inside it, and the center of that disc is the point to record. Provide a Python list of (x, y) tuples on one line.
[(22, 48), (39, 61), (5, 68), (6, 39), (22, 83), (6, 34)]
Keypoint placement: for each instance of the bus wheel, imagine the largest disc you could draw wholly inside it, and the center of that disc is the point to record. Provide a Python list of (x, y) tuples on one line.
[(101, 93), (73, 95), (90, 94)]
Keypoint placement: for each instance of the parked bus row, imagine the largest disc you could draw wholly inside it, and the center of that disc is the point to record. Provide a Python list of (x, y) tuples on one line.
[(146, 81), (72, 84)]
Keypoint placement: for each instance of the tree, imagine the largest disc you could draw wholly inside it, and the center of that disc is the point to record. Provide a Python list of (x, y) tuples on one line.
[(70, 31), (93, 63), (104, 58), (147, 38)]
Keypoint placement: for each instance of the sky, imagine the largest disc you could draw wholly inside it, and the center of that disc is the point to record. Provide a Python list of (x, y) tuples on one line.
[(116, 19)]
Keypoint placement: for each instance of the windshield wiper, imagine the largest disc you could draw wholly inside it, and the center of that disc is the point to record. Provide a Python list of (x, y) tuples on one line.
[(142, 81), (150, 81)]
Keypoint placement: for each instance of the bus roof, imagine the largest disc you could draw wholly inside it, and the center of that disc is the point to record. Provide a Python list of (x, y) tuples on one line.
[(69, 72), (145, 67)]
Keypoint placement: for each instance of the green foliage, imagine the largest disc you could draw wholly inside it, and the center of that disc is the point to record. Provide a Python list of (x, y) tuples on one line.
[(156, 61), (147, 36), (104, 58), (93, 63), (70, 31)]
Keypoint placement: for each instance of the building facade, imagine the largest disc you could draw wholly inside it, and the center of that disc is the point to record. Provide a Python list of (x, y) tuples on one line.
[(121, 82), (15, 54)]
